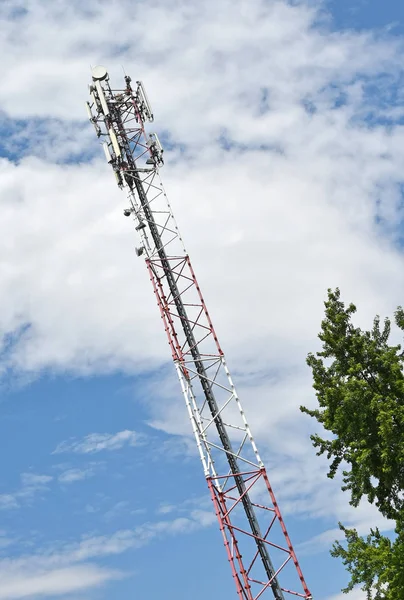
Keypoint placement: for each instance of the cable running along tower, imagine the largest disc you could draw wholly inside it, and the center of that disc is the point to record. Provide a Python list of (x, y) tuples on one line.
[(260, 553)]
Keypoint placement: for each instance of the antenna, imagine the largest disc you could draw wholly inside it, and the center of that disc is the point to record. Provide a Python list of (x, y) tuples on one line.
[(144, 103)]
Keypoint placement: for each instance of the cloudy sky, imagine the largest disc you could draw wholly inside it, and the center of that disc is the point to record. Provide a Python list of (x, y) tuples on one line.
[(283, 127)]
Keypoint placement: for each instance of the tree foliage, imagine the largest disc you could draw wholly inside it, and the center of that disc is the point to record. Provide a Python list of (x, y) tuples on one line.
[(376, 563), (359, 382)]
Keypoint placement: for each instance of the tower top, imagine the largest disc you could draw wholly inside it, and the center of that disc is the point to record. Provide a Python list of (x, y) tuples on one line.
[(99, 73)]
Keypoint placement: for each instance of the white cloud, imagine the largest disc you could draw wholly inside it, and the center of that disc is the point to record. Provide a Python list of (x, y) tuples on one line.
[(97, 442), (363, 518), (354, 595), (67, 568), (197, 510), (8, 501), (31, 484), (331, 179), (166, 509), (205, 518), (116, 510), (72, 475), (31, 480), (57, 582)]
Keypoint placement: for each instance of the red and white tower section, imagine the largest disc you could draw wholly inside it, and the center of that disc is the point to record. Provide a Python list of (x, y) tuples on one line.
[(259, 550)]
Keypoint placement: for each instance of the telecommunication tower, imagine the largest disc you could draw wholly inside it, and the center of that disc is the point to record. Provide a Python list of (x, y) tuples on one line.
[(259, 550)]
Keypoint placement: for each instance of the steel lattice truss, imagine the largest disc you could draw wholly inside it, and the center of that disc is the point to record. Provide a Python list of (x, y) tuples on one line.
[(258, 547)]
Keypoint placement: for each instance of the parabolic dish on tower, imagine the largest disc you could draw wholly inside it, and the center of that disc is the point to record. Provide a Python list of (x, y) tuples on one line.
[(99, 73)]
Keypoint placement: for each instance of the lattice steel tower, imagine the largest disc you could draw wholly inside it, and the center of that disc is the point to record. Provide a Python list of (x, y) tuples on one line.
[(258, 547)]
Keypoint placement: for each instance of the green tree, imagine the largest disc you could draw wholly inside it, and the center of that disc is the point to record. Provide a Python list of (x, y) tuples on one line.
[(359, 382), (376, 563)]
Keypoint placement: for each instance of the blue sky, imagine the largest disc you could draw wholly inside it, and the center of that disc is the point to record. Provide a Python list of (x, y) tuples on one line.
[(102, 494), (367, 14)]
